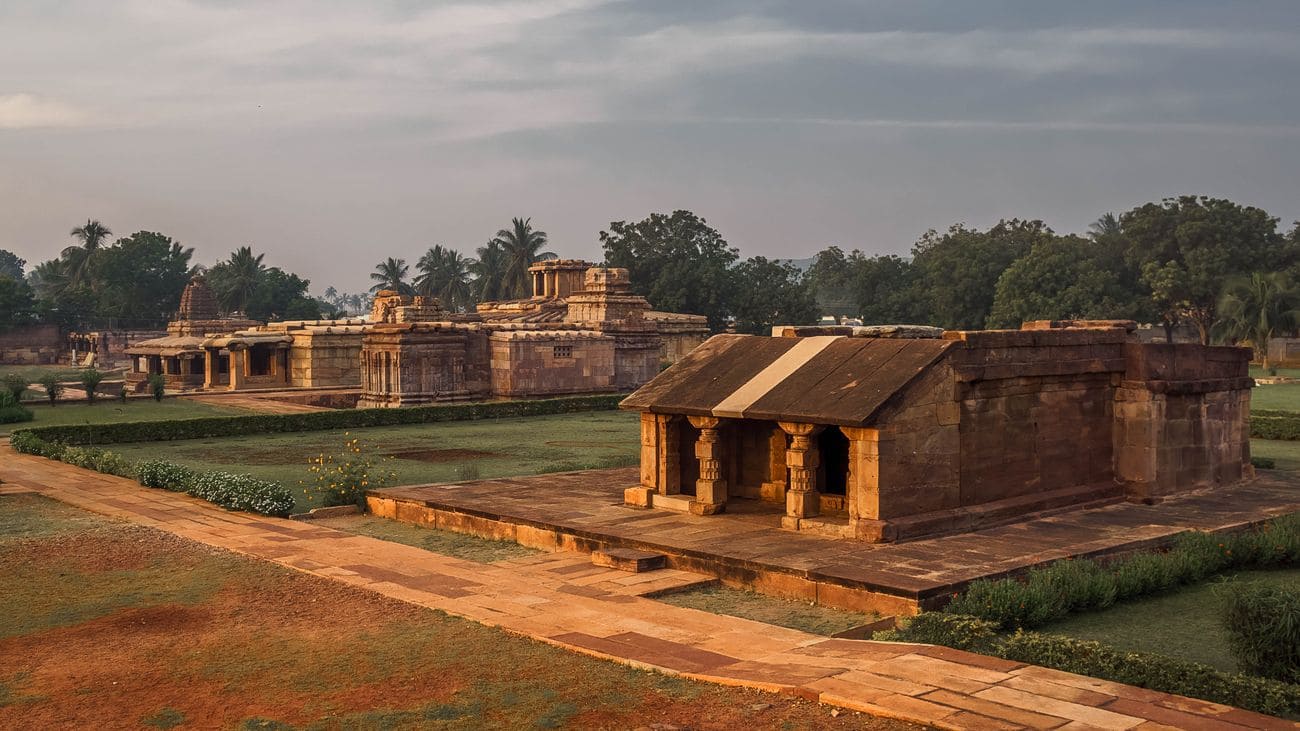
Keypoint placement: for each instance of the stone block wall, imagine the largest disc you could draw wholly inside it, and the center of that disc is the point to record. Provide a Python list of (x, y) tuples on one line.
[(325, 360), (534, 363), (35, 345)]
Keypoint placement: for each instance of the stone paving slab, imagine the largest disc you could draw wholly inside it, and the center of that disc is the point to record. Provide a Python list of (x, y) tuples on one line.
[(929, 685), (748, 537)]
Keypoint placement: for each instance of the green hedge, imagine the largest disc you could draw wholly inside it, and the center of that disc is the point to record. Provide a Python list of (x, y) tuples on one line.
[(1283, 426), (231, 426), (12, 412), (1097, 660), (1049, 593)]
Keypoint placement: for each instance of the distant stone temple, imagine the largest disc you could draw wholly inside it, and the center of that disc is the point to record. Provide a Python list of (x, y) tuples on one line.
[(884, 434), (582, 331)]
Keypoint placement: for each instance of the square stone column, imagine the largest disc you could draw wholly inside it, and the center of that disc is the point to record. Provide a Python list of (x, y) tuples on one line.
[(237, 369), (802, 499), (710, 488)]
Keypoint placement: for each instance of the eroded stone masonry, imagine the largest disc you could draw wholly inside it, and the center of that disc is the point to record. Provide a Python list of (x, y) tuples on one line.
[(882, 434), (582, 331)]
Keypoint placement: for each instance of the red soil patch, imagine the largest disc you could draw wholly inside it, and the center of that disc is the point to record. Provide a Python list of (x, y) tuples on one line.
[(439, 456)]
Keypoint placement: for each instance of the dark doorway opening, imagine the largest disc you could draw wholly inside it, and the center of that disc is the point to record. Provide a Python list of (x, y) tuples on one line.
[(833, 470), (687, 435)]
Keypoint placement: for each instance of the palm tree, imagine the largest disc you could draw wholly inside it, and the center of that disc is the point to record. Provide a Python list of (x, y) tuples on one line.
[(522, 246), (92, 237), (444, 274), (49, 278), (235, 279), (1258, 306), (489, 272), (1107, 225), (391, 274)]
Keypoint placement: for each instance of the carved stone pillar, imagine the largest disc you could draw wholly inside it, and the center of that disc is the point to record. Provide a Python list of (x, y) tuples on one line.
[(711, 488), (802, 500)]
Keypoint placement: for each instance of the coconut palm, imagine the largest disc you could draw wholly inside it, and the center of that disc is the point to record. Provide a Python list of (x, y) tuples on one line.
[(48, 278), (234, 279), (489, 271), (522, 246), (92, 237), (1256, 307), (391, 274), (445, 274), (1107, 225)]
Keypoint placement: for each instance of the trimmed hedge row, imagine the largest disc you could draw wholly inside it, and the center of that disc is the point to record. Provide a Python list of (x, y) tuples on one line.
[(1283, 426), (1049, 593), (229, 426), (1097, 660)]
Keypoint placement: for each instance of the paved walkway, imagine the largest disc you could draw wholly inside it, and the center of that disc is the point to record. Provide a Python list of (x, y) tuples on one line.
[(748, 537), (562, 601), (261, 403)]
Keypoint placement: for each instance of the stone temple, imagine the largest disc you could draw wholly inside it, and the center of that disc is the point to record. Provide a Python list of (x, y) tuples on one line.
[(582, 331), (883, 434)]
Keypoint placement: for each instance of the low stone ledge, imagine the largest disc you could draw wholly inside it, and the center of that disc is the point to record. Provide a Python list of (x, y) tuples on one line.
[(336, 511)]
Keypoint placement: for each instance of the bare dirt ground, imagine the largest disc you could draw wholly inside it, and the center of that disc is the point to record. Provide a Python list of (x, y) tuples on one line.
[(107, 625)]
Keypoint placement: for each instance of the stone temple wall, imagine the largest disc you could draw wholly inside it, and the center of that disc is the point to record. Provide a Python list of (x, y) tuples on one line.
[(325, 360), (35, 345), (540, 363)]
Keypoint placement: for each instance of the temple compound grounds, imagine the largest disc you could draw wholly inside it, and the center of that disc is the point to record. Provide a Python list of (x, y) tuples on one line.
[(770, 505)]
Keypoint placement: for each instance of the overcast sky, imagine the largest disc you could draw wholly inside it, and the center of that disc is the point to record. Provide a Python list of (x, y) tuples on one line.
[(332, 134)]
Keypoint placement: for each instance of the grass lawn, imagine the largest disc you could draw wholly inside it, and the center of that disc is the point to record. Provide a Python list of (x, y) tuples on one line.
[(422, 453), (34, 373), (448, 543), (120, 626), (1259, 372), (1285, 397), (1184, 624), (1286, 453), (790, 613), (109, 410)]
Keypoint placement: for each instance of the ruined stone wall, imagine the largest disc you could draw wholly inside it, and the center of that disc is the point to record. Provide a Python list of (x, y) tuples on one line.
[(1282, 353), (35, 345), (537, 363), (420, 364)]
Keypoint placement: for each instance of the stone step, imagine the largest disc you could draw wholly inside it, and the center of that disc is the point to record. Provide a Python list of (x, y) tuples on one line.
[(628, 559)]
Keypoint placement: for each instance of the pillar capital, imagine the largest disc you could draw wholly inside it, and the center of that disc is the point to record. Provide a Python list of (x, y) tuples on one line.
[(797, 429), (704, 422)]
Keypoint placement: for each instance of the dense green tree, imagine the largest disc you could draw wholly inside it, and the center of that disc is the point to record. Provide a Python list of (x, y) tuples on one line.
[(140, 279), (1063, 277), (957, 271), (678, 261), (522, 245), (1187, 247), (17, 305), (391, 274), (885, 291), (10, 265), (79, 258), (445, 274), (280, 295), (235, 279), (767, 293), (489, 271), (831, 279), (48, 278), (1254, 308)]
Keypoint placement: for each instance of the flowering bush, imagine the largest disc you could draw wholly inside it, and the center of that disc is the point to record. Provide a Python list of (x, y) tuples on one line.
[(165, 475), (242, 492), (344, 477)]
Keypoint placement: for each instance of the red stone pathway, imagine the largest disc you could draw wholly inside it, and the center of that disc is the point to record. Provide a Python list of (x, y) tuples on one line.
[(560, 599)]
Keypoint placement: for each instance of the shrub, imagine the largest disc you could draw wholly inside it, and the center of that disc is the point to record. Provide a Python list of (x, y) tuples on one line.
[(15, 384), (90, 380), (165, 475), (28, 441), (961, 631), (157, 386), (1007, 602), (98, 460), (12, 412), (122, 394), (53, 389), (1263, 624), (344, 477), (1275, 425), (1263, 463), (1148, 670)]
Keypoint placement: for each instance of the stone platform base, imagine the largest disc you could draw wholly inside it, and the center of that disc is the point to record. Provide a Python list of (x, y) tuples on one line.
[(746, 546)]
